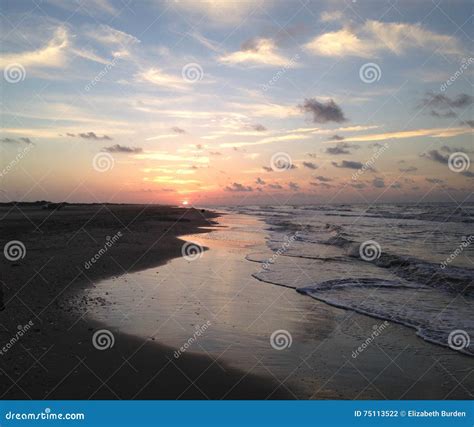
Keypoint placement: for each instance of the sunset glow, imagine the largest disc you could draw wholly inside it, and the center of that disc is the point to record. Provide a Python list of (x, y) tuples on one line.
[(203, 110)]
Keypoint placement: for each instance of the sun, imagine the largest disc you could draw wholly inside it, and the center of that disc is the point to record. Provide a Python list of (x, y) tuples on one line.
[(185, 203)]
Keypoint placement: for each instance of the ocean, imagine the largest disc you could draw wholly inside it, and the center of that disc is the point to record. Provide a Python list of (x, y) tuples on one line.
[(409, 264)]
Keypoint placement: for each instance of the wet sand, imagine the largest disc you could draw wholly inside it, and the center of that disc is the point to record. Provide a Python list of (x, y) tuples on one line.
[(55, 358), (170, 303)]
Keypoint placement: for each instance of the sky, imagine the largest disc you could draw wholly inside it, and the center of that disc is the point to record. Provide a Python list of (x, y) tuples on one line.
[(218, 102)]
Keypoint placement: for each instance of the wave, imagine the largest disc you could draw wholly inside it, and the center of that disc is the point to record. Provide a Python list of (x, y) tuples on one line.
[(316, 250), (431, 314)]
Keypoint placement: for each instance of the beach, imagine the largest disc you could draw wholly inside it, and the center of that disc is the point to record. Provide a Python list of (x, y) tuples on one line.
[(204, 325), (55, 358)]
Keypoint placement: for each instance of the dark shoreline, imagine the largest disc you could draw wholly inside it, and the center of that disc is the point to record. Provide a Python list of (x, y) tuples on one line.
[(55, 359)]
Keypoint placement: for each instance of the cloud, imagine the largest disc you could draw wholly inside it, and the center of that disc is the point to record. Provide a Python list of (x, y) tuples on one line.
[(90, 135), (158, 77), (107, 35), (167, 157), (468, 174), (293, 186), (257, 126), (215, 153), (320, 184), (376, 37), (435, 180), (164, 136), (415, 133), (378, 183), (436, 156), (408, 169), (210, 44), (275, 186), (469, 123), (443, 106), (335, 15), (444, 101), (53, 55), (340, 148), (340, 43), (336, 138), (176, 129), (267, 168), (98, 6), (237, 187), (445, 115), (217, 11), (268, 140), (323, 112), (310, 165), (259, 51), (122, 149), (456, 149), (16, 141), (259, 181), (323, 178), (348, 164)]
